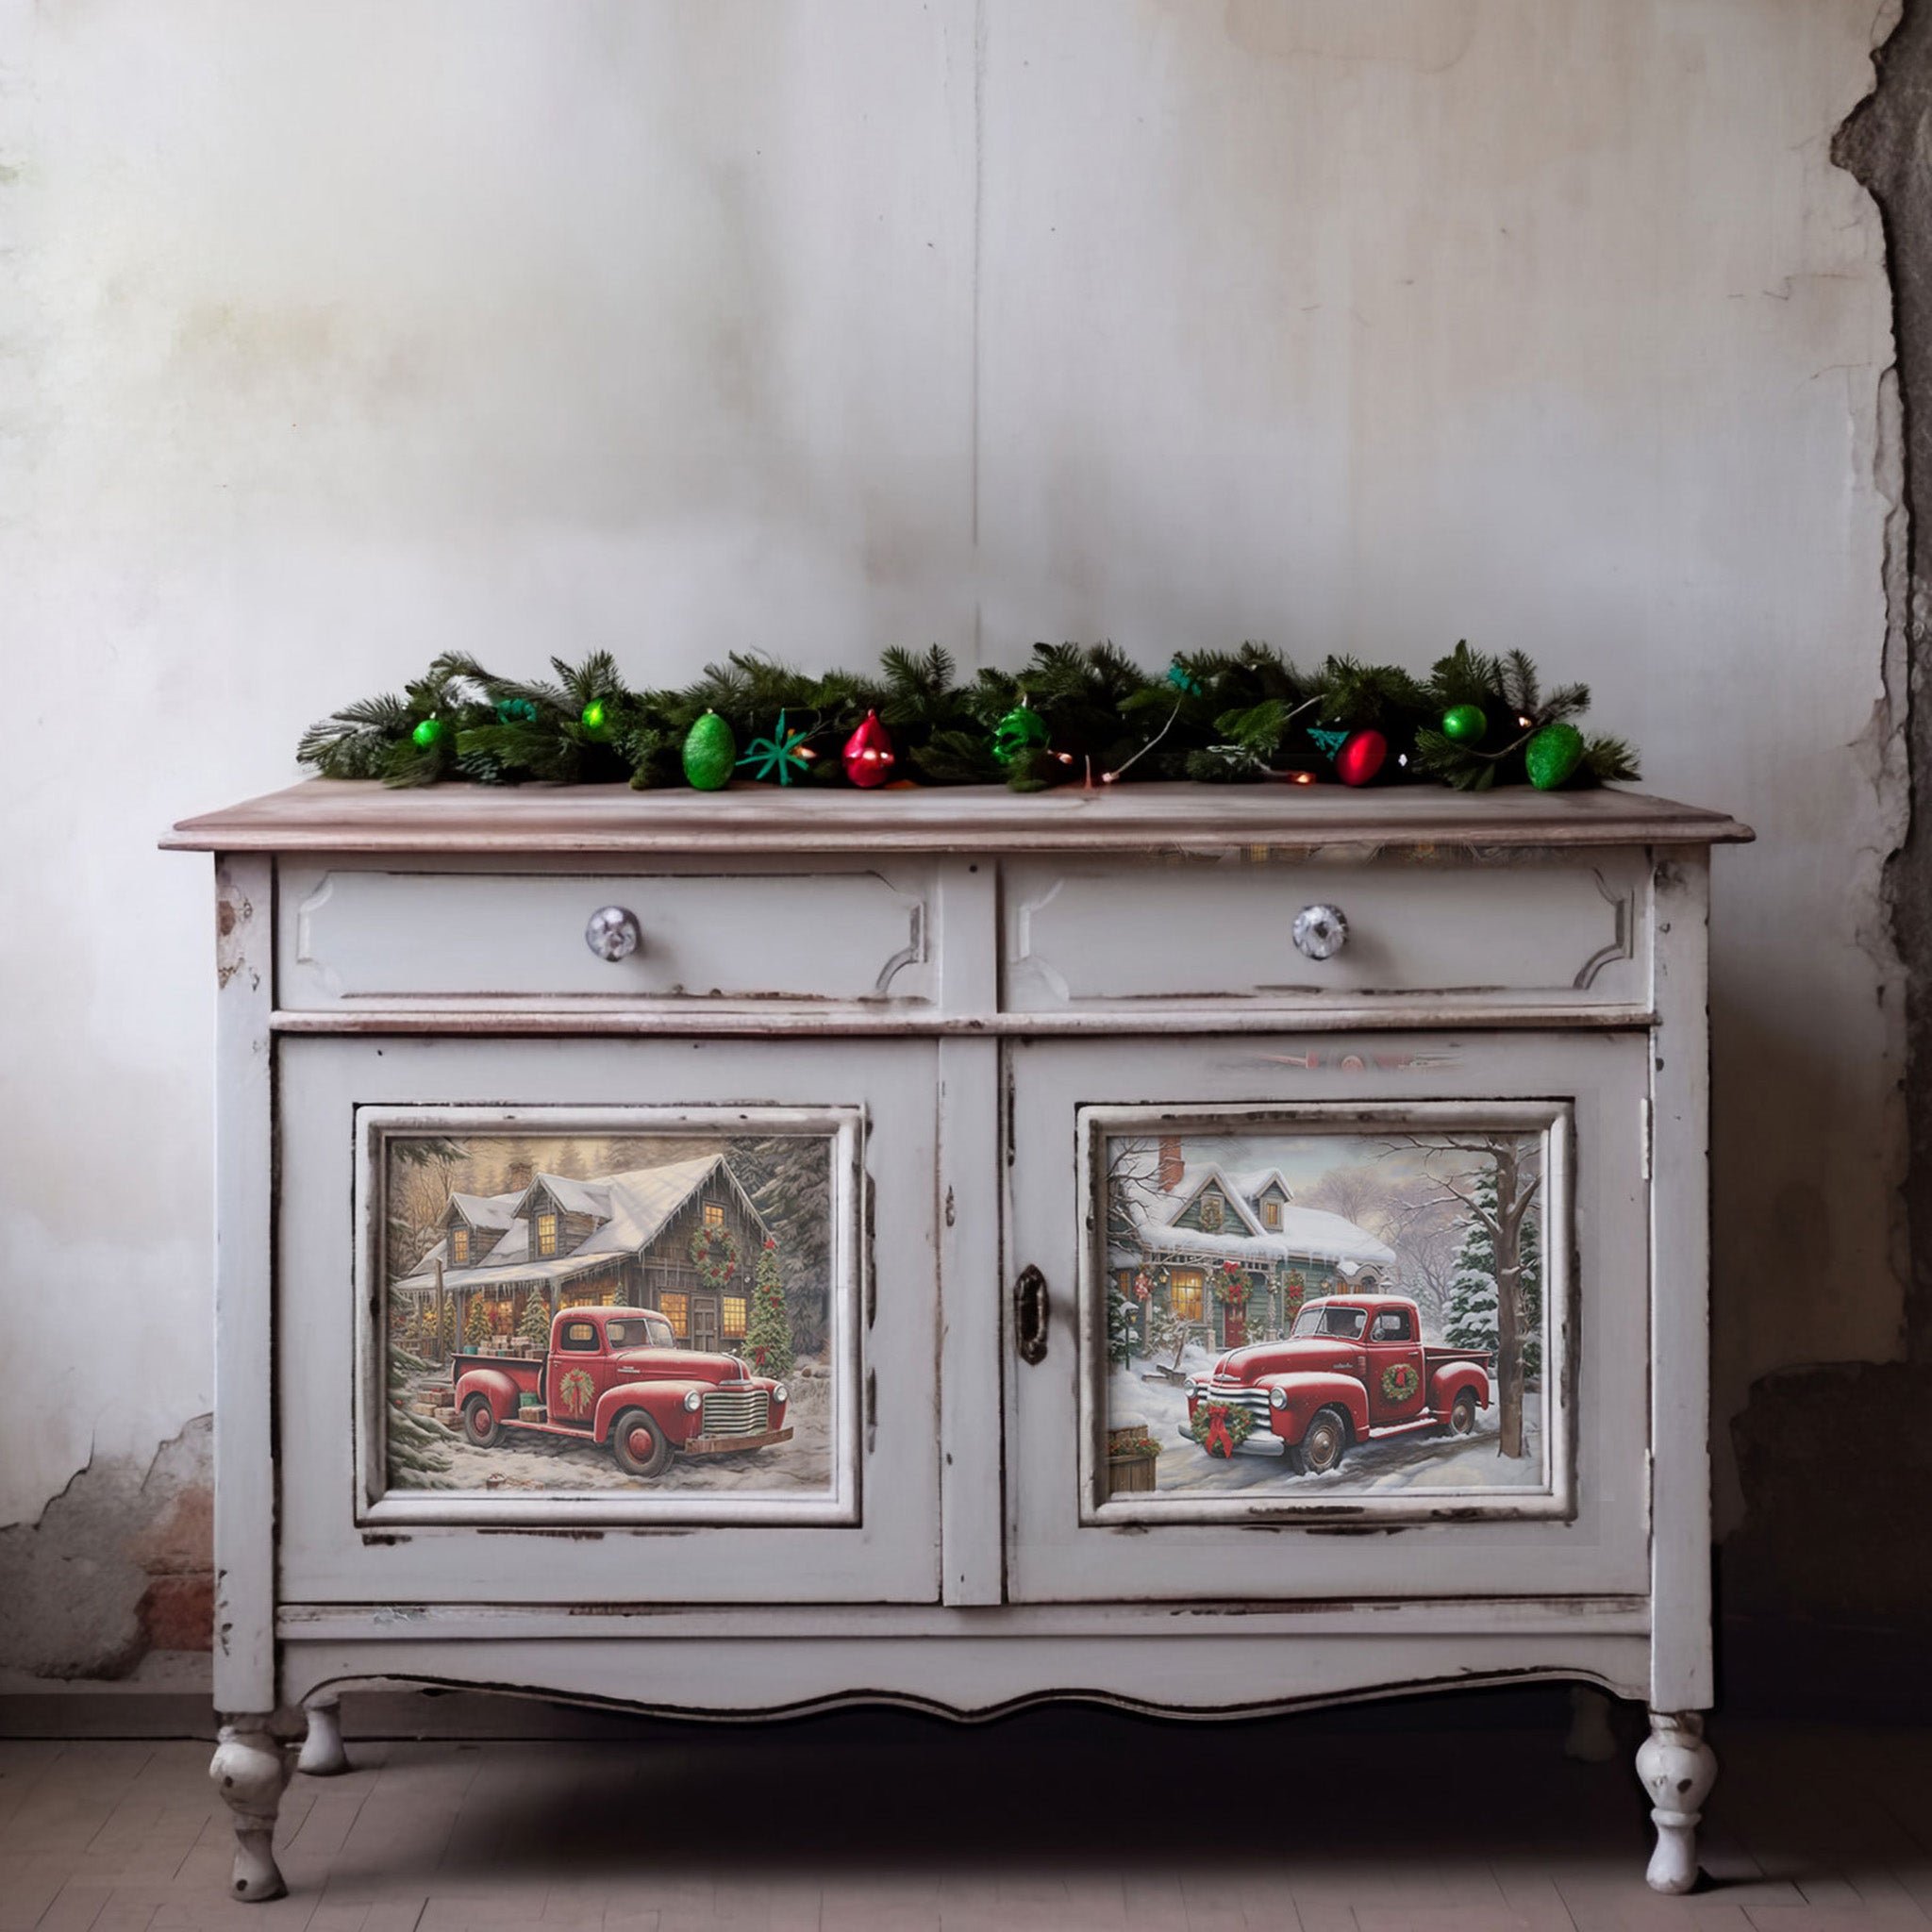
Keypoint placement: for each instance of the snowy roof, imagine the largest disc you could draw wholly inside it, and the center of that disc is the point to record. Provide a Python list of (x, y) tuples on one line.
[(1306, 1234), (1254, 1184), (635, 1208), (487, 1210), (575, 1197)]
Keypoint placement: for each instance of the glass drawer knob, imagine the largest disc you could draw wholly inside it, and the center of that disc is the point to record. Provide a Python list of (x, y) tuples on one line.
[(1320, 931), (612, 933)]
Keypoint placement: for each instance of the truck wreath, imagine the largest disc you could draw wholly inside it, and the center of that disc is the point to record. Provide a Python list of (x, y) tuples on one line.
[(1399, 1381), (1220, 1427), (575, 1393)]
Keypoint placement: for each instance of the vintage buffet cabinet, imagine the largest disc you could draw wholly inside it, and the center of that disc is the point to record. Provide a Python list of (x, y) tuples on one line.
[(1205, 1249)]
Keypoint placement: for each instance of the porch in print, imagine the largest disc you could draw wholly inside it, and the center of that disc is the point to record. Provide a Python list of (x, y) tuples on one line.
[(575, 1313), (1323, 1313)]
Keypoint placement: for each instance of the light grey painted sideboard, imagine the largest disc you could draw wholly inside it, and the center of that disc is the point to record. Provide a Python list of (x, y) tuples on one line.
[(753, 1251)]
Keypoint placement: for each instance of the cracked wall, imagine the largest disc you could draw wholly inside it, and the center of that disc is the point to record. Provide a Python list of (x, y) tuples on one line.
[(117, 1565), (1355, 324), (1814, 1545)]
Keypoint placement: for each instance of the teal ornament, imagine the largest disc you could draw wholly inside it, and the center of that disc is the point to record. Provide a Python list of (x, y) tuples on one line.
[(779, 756), (1552, 755), (596, 719), (1021, 731), (516, 711), (429, 733), (711, 753), (1464, 723), (1330, 741), (1183, 680)]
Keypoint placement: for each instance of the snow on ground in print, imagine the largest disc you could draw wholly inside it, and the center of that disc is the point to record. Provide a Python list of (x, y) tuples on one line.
[(521, 1461), (1429, 1460)]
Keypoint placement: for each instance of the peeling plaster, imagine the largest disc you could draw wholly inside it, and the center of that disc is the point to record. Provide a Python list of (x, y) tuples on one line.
[(1815, 1544), (121, 1563), (1886, 144)]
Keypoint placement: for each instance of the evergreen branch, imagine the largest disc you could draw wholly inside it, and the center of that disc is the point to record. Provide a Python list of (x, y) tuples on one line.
[(1217, 716), (1611, 760)]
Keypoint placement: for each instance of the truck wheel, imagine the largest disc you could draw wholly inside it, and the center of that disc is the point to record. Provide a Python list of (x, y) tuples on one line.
[(639, 1445), (1463, 1413), (479, 1421), (1324, 1444)]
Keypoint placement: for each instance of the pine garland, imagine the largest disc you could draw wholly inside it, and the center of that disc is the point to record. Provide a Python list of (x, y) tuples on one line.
[(1214, 716)]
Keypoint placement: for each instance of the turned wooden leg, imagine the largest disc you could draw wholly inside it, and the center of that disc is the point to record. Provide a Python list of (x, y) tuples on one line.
[(1589, 1741), (1679, 1769), (322, 1746), (249, 1770)]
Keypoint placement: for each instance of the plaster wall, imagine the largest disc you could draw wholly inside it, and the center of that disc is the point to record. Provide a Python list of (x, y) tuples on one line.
[(337, 336)]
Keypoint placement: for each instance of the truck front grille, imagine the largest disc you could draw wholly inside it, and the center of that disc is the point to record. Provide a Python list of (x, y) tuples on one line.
[(1237, 1395), (735, 1412)]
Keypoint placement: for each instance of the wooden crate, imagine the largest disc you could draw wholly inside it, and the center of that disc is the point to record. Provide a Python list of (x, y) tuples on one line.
[(1131, 1454)]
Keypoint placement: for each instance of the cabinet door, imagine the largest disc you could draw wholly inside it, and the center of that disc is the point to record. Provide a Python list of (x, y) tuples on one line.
[(615, 1322), (1328, 1318)]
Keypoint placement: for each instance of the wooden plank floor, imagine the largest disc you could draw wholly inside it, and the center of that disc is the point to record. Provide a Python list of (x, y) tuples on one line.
[(1060, 1822)]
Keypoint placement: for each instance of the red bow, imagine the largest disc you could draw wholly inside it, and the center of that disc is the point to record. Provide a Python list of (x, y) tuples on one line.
[(1219, 1432)]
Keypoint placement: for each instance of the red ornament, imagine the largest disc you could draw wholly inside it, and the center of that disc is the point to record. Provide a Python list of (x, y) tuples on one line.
[(869, 753), (1360, 757)]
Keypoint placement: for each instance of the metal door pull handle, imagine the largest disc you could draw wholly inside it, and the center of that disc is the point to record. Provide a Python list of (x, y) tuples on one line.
[(1030, 1314)]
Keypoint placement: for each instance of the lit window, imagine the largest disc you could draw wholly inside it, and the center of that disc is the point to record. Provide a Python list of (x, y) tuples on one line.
[(676, 1309), (546, 1234), (735, 1307), (1271, 1213), (714, 1214), (1184, 1295), (459, 1247)]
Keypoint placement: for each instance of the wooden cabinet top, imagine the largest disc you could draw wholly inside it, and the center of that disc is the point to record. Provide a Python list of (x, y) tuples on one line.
[(335, 815)]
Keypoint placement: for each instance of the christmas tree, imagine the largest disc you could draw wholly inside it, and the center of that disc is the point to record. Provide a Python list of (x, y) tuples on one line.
[(1529, 1298), (1165, 1331), (768, 1332), (535, 1326), (1123, 1327), (419, 1445), (789, 1181), (1474, 1298), (476, 1326)]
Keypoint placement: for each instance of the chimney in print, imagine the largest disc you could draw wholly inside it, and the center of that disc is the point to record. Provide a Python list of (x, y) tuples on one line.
[(1171, 1166)]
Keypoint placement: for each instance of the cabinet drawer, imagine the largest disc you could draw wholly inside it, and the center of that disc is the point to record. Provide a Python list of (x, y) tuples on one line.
[(1206, 931), (352, 934)]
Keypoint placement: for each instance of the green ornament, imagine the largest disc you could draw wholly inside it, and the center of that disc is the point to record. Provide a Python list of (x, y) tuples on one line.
[(1465, 724), (709, 753), (1183, 680), (1021, 730), (1330, 741), (516, 711), (597, 718), (1552, 755), (430, 732), (778, 756)]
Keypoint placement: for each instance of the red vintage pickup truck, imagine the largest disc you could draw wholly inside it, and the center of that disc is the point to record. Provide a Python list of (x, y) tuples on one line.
[(617, 1376), (1353, 1368)]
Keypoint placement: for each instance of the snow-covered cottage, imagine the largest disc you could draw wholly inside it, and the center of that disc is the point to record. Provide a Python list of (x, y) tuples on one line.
[(1231, 1252), (683, 1238)]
